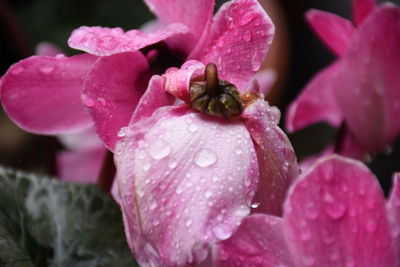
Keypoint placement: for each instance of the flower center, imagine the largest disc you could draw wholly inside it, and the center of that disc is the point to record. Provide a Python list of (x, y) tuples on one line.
[(215, 97)]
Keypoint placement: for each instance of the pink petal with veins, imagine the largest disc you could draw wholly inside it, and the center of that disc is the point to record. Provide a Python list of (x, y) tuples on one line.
[(258, 242), (238, 42), (186, 181), (334, 30), (367, 87), (362, 9), (177, 81), (42, 94), (276, 157), (335, 216), (393, 209), (103, 41), (316, 103), (112, 90)]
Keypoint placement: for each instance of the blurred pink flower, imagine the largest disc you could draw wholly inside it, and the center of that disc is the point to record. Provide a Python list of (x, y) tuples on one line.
[(334, 215), (187, 179), (359, 92)]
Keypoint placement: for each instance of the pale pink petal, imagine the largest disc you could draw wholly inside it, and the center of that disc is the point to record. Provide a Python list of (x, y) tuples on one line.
[(316, 103), (258, 242), (362, 9), (82, 140), (238, 42), (194, 14), (276, 158), (47, 49), (367, 87), (43, 94), (103, 41), (80, 166), (393, 208), (334, 30), (177, 81), (186, 181), (265, 79), (335, 216), (112, 90)]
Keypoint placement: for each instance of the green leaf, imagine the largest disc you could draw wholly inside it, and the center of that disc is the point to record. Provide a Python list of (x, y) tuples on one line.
[(45, 222)]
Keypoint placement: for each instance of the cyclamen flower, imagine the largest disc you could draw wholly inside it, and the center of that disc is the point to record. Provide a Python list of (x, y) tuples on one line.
[(334, 215), (115, 73), (359, 92), (187, 179)]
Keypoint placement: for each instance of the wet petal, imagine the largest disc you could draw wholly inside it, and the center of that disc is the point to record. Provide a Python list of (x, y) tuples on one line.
[(43, 94), (186, 181), (195, 15), (112, 90), (362, 9), (80, 166), (334, 30), (103, 41), (369, 75), (335, 216), (316, 103), (393, 207), (258, 242), (276, 158), (240, 37), (178, 80)]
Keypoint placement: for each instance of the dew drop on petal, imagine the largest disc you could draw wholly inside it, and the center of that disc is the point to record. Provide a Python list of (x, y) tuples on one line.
[(221, 232), (238, 150), (172, 164), (220, 43), (87, 101), (335, 210), (188, 223), (60, 56), (192, 128), (205, 157), (159, 149), (122, 132), (46, 68), (17, 70), (371, 226), (208, 194), (146, 166), (247, 36), (255, 205)]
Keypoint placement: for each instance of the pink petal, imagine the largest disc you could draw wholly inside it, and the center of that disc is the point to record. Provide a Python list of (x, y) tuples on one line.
[(195, 15), (334, 30), (112, 90), (335, 216), (178, 80), (83, 140), (362, 9), (367, 87), (43, 94), (103, 41), (259, 241), (316, 103), (239, 40), (276, 158), (393, 208), (80, 166), (265, 79), (154, 97), (47, 49), (186, 181)]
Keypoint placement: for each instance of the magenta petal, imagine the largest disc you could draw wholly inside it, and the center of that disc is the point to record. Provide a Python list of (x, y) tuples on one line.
[(335, 216), (367, 87), (112, 90), (80, 166), (239, 40), (334, 30), (276, 158), (194, 14), (177, 81), (103, 41), (259, 241), (186, 181), (43, 94), (393, 208), (316, 103), (362, 9)]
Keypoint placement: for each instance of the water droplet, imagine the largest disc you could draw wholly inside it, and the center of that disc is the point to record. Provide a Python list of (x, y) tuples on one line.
[(46, 68), (220, 43), (122, 132), (188, 223), (371, 226), (87, 101), (238, 150), (255, 205), (192, 128), (221, 232), (101, 100), (153, 206), (335, 210), (172, 164), (146, 166), (208, 194), (159, 149), (312, 212), (247, 36), (205, 157), (60, 56), (17, 70)]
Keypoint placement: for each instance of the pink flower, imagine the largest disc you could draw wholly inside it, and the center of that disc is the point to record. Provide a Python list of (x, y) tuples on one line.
[(187, 179), (113, 76), (334, 215), (360, 90)]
